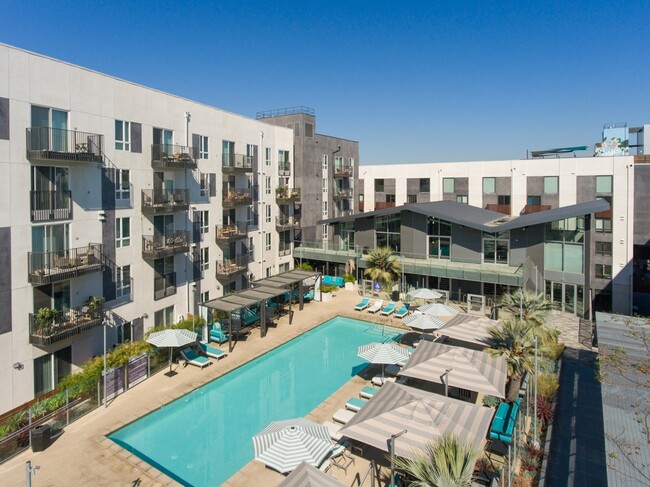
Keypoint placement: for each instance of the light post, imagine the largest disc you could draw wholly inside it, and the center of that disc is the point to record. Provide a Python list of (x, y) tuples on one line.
[(105, 378), (29, 470), (392, 455), (535, 398), (446, 376)]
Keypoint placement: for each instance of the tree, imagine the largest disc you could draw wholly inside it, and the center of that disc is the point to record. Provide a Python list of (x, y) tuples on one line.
[(515, 340), (446, 462), (383, 266), (533, 307)]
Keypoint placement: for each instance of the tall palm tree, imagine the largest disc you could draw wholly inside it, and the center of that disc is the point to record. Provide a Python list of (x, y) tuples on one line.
[(515, 340), (534, 308), (446, 462), (383, 266)]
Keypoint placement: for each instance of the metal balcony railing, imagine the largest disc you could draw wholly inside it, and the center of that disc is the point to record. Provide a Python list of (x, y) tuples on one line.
[(285, 193), (164, 200), (284, 168), (236, 197), (287, 222), (164, 245), (534, 209), (170, 156), (231, 232), (505, 209), (164, 286), (65, 324), (52, 144), (344, 171), (236, 163), (48, 206), (231, 267), (47, 267), (342, 194)]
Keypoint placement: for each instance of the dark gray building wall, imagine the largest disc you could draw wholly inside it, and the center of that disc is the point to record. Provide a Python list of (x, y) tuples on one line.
[(503, 187), (4, 118), (518, 244), (641, 204), (586, 188), (535, 248), (535, 187), (5, 280), (108, 233), (389, 188), (364, 232), (461, 187), (413, 234), (466, 244)]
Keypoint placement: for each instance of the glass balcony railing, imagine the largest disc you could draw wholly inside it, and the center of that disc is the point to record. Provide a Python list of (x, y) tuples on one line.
[(170, 156), (49, 206), (164, 286), (47, 267), (164, 200), (233, 163), (52, 144), (164, 245), (65, 324), (342, 194)]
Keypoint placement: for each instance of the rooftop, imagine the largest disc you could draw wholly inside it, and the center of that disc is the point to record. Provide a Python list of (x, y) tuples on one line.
[(279, 112)]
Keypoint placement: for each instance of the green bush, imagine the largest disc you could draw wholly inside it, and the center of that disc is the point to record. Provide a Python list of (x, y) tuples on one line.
[(328, 289), (349, 278), (305, 266), (491, 401), (13, 423), (547, 386)]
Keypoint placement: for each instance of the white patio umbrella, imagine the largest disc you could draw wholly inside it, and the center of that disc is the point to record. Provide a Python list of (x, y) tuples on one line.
[(171, 338), (283, 445), (437, 309), (424, 293), (383, 353), (422, 322)]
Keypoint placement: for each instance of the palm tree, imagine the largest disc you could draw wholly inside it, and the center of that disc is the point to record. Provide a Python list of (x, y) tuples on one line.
[(446, 462), (534, 308), (515, 340), (383, 266)]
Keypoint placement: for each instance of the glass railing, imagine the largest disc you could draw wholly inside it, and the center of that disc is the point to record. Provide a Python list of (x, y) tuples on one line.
[(236, 163), (54, 144)]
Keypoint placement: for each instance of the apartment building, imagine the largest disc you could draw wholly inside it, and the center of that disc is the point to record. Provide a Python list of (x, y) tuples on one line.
[(325, 169), (122, 205)]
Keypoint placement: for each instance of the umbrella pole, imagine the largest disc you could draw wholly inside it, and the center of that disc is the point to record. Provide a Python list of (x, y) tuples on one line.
[(170, 360)]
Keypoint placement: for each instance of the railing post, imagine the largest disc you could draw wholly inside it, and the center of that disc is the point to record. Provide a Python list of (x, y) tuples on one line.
[(148, 366), (67, 408)]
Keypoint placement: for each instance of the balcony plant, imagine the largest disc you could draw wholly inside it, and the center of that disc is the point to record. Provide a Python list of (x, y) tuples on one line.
[(45, 317), (350, 282), (94, 305)]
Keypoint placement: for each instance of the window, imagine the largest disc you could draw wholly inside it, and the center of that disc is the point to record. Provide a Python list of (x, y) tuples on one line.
[(379, 185), (352, 162), (268, 242), (204, 216), (534, 200), (325, 231), (439, 237), (267, 156), (338, 162), (604, 225), (489, 185), (603, 248), (122, 130), (387, 231), (324, 209), (604, 271), (564, 245), (325, 163), (411, 198), (204, 297), (205, 259), (268, 213), (251, 249), (122, 184), (390, 198), (164, 317), (123, 278), (462, 198), (204, 181), (268, 272), (603, 185), (203, 147), (503, 199), (551, 184), (267, 185), (448, 185), (425, 185), (122, 232), (495, 247), (285, 267), (325, 185)]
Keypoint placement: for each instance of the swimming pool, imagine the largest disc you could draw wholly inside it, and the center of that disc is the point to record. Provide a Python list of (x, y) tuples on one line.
[(204, 437)]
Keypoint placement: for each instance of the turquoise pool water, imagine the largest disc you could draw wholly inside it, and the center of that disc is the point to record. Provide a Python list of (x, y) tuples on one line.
[(204, 437)]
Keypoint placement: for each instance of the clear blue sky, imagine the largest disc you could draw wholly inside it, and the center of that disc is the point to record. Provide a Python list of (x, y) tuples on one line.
[(411, 81)]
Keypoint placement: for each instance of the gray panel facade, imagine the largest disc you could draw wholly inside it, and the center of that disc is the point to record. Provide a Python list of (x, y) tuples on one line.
[(5, 280), (466, 244), (4, 118), (136, 137), (641, 206), (535, 187)]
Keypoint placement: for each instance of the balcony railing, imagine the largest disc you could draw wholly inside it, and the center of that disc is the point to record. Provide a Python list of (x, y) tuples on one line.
[(342, 213), (286, 194), (284, 169), (231, 267), (66, 324), (232, 163), (160, 245), (342, 194), (284, 249), (48, 206), (534, 209), (343, 171), (237, 197), (287, 222), (52, 144), (47, 267), (164, 200), (505, 209), (382, 205), (231, 232), (164, 286), (170, 156)]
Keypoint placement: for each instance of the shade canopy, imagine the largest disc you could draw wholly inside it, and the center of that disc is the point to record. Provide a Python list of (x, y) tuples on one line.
[(468, 369), (424, 293), (468, 328), (283, 445), (422, 322), (437, 309), (383, 353), (172, 337), (307, 476), (424, 415)]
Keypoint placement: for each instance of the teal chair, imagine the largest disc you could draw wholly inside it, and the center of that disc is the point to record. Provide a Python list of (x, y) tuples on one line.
[(217, 334), (249, 317), (308, 297)]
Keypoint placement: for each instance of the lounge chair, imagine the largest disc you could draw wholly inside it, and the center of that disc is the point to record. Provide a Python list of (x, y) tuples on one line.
[(402, 312), (376, 306), (333, 430), (367, 392), (217, 334), (308, 297), (355, 404), (343, 416), (193, 359), (380, 381), (249, 317), (365, 302), (211, 351), (390, 307), (339, 457)]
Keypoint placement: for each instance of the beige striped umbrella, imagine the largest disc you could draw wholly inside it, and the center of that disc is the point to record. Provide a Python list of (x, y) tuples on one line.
[(468, 328), (468, 369), (424, 415), (307, 476)]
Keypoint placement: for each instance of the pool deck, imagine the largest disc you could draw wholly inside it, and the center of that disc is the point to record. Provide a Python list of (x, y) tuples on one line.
[(83, 455)]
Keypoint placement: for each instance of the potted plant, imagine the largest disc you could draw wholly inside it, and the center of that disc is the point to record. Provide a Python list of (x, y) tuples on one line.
[(94, 305), (326, 293), (45, 317), (350, 282)]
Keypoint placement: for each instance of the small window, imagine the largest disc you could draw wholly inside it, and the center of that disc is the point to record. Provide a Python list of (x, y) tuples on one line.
[(325, 231), (604, 225), (268, 242), (203, 147), (267, 185), (309, 130), (604, 271), (325, 213), (122, 184), (390, 198), (205, 259), (164, 317), (122, 132), (267, 157), (325, 185), (448, 185), (603, 248), (205, 221), (462, 198), (503, 199), (534, 200), (412, 198), (123, 277), (551, 184), (204, 181), (379, 185), (603, 185), (489, 185), (425, 185), (205, 297), (325, 163), (122, 232), (268, 213)]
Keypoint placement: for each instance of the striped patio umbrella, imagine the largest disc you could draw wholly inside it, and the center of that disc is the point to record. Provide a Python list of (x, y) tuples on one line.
[(437, 309), (283, 445), (469, 328), (307, 476), (171, 338), (424, 293), (422, 322), (383, 353)]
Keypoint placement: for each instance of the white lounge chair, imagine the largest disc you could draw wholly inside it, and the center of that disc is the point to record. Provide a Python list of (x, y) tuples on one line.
[(355, 404), (376, 306), (343, 415), (380, 381)]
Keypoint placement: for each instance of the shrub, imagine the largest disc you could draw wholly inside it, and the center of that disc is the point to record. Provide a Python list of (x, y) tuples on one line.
[(544, 410), (491, 401), (328, 289), (531, 458), (555, 350), (305, 266), (547, 385), (349, 278), (13, 423)]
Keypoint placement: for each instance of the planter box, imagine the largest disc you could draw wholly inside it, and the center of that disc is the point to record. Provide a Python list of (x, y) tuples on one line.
[(326, 297), (350, 286)]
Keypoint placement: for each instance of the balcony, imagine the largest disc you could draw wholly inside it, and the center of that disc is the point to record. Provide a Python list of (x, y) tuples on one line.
[(343, 171), (505, 209), (66, 324), (361, 206), (164, 286), (285, 249), (342, 194), (642, 159), (285, 194), (284, 168), (155, 202), (237, 197), (50, 206), (52, 144), (160, 245), (231, 232), (236, 163), (287, 222), (534, 209), (231, 267), (342, 213), (382, 205), (47, 267), (169, 156)]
